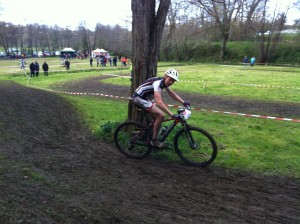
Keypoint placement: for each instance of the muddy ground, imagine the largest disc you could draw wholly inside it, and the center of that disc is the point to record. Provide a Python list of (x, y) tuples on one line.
[(52, 170)]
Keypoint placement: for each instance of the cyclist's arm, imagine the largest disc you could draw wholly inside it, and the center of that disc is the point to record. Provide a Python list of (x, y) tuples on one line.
[(174, 95), (161, 104)]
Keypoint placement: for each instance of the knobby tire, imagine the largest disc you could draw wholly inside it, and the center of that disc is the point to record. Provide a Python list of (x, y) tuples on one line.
[(132, 140), (202, 152)]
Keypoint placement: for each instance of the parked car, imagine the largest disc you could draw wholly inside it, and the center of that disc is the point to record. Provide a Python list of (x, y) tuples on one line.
[(46, 54), (41, 54), (3, 55)]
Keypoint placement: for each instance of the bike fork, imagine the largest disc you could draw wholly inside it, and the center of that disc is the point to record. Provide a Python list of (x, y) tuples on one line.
[(192, 143)]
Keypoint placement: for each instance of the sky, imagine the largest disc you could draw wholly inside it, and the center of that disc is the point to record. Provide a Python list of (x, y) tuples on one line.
[(293, 13), (67, 12), (70, 13)]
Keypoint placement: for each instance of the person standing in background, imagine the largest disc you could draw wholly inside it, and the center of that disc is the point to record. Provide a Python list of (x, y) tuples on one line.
[(67, 64), (252, 61), (91, 61), (22, 63), (32, 69), (45, 67), (36, 69), (98, 60), (115, 61), (245, 60)]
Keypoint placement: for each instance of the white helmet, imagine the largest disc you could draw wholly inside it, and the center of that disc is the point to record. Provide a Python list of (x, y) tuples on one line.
[(173, 74)]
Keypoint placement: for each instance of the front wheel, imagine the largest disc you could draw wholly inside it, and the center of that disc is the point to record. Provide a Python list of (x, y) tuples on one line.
[(195, 146), (133, 140)]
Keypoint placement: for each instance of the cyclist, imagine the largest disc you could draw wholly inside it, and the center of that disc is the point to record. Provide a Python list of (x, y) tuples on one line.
[(151, 89)]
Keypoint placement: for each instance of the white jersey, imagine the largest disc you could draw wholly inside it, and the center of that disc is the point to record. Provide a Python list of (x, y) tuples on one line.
[(147, 88)]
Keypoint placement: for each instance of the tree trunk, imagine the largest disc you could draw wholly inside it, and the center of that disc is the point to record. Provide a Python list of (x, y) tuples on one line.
[(223, 47), (147, 28)]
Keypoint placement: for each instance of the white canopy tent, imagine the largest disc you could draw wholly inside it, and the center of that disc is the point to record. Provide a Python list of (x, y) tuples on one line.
[(67, 49), (100, 52)]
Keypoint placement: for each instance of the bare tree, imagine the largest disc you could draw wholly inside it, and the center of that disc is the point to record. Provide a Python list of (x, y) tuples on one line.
[(54, 33), (147, 29), (246, 15), (9, 38), (172, 18), (86, 38), (43, 38), (297, 6), (175, 35), (223, 12), (268, 29), (4, 39), (21, 34)]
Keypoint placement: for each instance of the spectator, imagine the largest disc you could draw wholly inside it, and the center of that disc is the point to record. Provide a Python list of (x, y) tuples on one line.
[(67, 64), (32, 69), (36, 69), (252, 61), (102, 61), (123, 60), (22, 63), (91, 61), (45, 68), (98, 60), (245, 60), (115, 61)]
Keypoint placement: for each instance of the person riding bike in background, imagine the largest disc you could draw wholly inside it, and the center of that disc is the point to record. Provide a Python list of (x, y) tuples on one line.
[(151, 89)]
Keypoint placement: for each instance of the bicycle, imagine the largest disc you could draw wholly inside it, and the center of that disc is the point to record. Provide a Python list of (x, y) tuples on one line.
[(193, 145)]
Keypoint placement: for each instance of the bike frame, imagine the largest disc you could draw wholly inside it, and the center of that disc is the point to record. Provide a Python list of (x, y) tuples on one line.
[(170, 128), (162, 138)]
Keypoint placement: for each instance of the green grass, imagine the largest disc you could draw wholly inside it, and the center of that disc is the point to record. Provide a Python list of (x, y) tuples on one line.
[(260, 82), (98, 111), (265, 146), (12, 68)]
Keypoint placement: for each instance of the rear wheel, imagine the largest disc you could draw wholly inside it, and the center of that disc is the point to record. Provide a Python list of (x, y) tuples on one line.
[(133, 140), (195, 146)]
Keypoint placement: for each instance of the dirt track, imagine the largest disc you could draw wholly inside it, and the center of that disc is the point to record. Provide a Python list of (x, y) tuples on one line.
[(53, 171), (277, 109)]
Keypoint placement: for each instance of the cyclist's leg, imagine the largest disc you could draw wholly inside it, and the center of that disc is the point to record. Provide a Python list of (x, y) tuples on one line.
[(159, 117), (154, 111)]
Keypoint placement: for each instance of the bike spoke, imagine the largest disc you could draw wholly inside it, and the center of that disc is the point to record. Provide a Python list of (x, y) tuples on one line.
[(131, 139), (196, 147)]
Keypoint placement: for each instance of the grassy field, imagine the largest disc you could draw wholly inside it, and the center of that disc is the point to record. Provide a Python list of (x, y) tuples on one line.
[(260, 145), (259, 82)]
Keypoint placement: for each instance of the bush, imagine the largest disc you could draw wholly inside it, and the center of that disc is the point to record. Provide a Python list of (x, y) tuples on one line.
[(209, 52), (287, 54), (206, 52), (106, 131)]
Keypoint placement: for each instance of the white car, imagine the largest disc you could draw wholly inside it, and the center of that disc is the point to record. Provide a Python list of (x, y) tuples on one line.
[(41, 54)]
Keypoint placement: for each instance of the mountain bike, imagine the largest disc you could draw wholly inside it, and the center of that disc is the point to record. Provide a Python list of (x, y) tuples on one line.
[(193, 145)]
